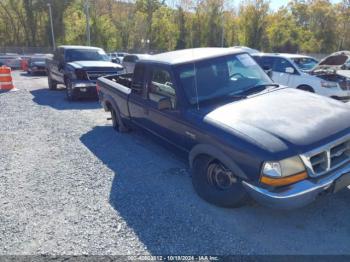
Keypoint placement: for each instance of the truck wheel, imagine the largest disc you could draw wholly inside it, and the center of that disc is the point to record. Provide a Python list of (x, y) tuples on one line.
[(216, 184), (69, 91), (306, 88), (117, 122), (52, 83)]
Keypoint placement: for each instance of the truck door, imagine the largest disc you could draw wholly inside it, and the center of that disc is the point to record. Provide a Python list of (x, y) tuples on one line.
[(280, 74), (164, 121)]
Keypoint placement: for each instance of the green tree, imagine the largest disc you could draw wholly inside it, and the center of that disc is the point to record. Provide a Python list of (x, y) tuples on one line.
[(282, 32), (252, 23), (165, 29)]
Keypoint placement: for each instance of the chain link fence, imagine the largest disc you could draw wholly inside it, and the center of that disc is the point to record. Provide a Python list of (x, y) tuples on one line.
[(25, 50)]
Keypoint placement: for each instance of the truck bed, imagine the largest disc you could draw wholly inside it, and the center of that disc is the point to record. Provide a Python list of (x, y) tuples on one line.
[(114, 91)]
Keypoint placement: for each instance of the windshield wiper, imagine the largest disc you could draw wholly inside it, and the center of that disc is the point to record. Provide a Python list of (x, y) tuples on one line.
[(257, 88)]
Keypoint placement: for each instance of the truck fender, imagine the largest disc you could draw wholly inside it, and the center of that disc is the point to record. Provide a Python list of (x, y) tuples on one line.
[(108, 100), (217, 154)]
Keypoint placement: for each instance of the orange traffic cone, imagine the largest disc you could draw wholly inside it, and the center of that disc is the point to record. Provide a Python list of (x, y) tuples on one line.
[(5, 78)]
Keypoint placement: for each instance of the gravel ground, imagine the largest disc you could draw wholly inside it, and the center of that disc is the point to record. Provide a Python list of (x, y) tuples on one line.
[(71, 185)]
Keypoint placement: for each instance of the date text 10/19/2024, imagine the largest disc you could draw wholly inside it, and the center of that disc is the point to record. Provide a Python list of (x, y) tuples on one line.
[(173, 258)]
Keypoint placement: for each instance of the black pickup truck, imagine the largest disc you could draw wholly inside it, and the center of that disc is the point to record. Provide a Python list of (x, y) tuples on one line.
[(244, 134), (78, 67)]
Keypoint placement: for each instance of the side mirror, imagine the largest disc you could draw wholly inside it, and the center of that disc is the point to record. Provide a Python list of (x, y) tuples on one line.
[(164, 103), (290, 70), (268, 72)]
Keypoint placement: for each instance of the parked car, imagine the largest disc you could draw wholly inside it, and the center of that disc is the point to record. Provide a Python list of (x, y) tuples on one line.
[(130, 60), (245, 135), (336, 68), (114, 58), (294, 71), (11, 60), (37, 65), (78, 67), (121, 56)]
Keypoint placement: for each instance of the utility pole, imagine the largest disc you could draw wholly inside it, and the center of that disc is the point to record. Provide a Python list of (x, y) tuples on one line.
[(223, 30), (87, 13), (52, 32)]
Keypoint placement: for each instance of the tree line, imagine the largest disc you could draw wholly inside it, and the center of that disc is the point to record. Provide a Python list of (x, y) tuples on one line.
[(312, 26)]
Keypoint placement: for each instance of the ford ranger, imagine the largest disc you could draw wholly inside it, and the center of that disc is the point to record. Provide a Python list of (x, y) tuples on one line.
[(78, 67), (244, 134)]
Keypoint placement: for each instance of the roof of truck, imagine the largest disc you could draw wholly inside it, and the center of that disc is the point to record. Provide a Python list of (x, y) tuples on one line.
[(286, 55), (190, 55), (78, 47)]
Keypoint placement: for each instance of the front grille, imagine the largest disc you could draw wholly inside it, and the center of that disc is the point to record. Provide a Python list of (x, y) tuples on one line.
[(345, 85), (329, 157), (93, 75)]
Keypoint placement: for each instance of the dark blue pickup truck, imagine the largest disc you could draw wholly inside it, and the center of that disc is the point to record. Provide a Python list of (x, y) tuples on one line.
[(78, 67), (245, 135)]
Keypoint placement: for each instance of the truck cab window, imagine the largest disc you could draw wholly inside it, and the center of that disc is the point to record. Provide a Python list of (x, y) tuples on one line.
[(139, 75), (161, 86)]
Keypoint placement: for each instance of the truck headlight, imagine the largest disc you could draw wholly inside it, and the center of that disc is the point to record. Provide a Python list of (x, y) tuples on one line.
[(328, 84), (284, 172), (79, 74)]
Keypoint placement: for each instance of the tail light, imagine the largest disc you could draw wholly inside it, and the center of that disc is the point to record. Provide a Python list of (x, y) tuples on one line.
[(98, 88)]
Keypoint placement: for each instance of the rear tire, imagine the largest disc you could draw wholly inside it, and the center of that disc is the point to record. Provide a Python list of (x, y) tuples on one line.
[(52, 83), (306, 88), (117, 122), (216, 184)]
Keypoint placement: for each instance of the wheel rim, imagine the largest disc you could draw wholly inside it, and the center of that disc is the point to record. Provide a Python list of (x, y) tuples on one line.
[(220, 177)]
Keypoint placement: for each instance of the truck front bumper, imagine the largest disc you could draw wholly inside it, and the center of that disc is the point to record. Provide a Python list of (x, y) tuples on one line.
[(301, 193), (84, 88)]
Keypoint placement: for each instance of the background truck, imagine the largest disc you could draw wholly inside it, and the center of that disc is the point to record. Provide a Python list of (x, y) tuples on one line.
[(244, 134), (78, 67)]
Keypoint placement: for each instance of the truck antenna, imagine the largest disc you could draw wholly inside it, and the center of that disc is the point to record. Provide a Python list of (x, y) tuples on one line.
[(195, 80)]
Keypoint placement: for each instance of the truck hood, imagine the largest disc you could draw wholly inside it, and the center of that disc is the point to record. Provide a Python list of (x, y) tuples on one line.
[(284, 119), (94, 64)]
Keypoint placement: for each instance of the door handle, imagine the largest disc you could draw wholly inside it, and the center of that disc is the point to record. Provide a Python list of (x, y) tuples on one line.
[(146, 111)]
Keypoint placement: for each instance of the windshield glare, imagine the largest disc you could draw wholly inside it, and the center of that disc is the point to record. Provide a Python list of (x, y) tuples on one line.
[(305, 63), (220, 77), (86, 55)]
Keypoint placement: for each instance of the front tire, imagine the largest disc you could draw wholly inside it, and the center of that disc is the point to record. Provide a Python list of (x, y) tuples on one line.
[(69, 91), (52, 83), (216, 184)]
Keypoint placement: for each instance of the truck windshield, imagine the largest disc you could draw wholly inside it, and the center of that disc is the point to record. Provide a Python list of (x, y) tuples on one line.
[(86, 55), (305, 63), (220, 77)]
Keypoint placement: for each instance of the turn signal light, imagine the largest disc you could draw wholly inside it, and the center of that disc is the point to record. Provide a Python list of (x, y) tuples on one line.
[(283, 181)]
